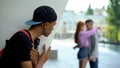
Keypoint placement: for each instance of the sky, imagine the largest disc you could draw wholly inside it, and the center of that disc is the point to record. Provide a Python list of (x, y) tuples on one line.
[(82, 5)]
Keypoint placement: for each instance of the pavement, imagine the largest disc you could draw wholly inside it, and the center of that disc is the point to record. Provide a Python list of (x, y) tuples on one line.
[(67, 57)]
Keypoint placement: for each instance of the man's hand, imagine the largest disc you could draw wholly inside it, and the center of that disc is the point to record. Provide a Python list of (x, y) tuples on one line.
[(91, 58), (99, 28), (44, 57), (34, 55)]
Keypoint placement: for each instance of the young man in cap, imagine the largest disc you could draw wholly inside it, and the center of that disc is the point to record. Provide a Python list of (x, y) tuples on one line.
[(19, 52), (93, 48)]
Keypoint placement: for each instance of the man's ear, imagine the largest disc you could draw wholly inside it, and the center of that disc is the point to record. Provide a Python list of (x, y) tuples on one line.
[(46, 25)]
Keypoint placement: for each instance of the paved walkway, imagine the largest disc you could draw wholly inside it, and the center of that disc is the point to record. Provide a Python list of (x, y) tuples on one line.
[(67, 56)]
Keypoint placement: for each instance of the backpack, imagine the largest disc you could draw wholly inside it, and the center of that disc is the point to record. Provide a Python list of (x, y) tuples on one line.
[(23, 31)]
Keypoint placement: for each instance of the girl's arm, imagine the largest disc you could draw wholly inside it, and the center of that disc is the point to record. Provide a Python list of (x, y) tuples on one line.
[(77, 46), (89, 32)]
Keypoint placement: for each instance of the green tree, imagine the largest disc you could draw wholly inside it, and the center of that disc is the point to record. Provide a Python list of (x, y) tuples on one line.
[(113, 17), (110, 33), (89, 10)]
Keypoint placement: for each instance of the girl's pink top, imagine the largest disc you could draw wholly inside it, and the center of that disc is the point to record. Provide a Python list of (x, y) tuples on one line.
[(83, 37)]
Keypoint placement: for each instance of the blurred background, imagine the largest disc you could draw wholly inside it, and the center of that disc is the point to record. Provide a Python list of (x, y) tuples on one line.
[(104, 13)]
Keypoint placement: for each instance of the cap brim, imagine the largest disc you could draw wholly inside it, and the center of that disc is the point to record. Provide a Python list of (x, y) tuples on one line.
[(30, 22)]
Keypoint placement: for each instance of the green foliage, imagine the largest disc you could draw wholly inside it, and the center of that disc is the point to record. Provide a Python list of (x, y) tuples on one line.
[(113, 20), (113, 11), (119, 36), (110, 33), (89, 11)]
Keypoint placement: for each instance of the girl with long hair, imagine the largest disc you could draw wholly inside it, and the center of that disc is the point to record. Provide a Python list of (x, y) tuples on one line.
[(81, 40)]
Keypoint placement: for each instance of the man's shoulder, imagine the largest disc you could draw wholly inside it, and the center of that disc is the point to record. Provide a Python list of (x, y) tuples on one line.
[(19, 35)]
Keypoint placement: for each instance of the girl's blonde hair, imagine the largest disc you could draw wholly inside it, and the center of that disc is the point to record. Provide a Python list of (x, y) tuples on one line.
[(79, 25)]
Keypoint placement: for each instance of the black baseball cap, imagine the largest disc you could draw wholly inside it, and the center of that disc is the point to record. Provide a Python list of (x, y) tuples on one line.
[(42, 14)]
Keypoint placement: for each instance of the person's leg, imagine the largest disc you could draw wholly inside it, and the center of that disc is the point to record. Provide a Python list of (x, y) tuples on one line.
[(83, 57), (94, 64), (83, 63)]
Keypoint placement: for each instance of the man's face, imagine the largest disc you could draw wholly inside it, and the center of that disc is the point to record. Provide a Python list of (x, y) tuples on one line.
[(89, 25), (49, 27)]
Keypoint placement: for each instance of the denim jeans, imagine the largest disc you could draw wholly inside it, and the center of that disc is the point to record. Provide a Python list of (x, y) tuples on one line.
[(83, 53), (94, 64)]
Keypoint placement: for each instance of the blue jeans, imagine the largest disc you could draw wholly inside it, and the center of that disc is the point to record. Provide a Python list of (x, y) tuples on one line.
[(82, 53), (94, 64)]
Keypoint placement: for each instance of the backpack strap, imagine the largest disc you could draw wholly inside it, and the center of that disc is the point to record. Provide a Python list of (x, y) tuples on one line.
[(1, 52), (26, 33)]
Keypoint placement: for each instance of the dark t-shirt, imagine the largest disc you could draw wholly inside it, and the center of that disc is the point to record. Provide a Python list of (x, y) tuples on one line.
[(17, 49)]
